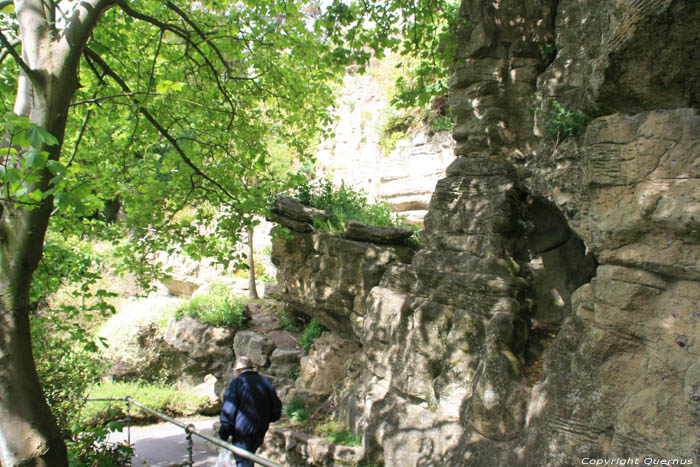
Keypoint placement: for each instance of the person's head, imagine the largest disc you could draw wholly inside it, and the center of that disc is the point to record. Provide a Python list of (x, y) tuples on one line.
[(242, 364)]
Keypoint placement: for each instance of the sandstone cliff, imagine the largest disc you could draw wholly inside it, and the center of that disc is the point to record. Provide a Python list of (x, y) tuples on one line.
[(594, 238)]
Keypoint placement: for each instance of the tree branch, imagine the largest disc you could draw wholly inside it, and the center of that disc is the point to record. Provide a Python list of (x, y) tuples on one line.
[(186, 36), (156, 124), (22, 64), (199, 32), (80, 137), (6, 50), (97, 100)]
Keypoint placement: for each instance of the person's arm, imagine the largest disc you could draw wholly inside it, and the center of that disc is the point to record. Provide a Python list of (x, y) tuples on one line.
[(228, 412), (275, 404)]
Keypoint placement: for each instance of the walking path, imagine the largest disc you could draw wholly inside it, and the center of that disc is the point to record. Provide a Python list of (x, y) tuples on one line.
[(165, 445)]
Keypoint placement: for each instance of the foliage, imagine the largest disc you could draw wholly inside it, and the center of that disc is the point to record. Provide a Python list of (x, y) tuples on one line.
[(312, 331), (441, 123), (296, 412), (336, 433), (216, 307), (290, 322), (346, 204), (260, 271), (394, 126), (90, 447), (21, 170), (67, 362), (293, 373), (424, 30), (65, 349), (165, 399), (558, 122)]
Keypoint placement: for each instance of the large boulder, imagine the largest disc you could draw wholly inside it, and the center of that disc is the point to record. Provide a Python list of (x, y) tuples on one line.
[(253, 345), (208, 349)]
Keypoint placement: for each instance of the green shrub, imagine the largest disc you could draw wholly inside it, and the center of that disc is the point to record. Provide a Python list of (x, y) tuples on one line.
[(290, 322), (336, 433), (558, 122), (441, 123), (89, 446), (216, 308), (393, 128), (312, 331), (293, 373), (346, 204), (67, 362), (296, 412)]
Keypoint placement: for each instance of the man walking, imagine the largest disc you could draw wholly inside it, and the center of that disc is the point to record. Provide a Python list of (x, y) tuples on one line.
[(250, 405)]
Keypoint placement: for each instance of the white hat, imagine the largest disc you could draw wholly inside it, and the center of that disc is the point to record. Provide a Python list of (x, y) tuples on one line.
[(243, 363)]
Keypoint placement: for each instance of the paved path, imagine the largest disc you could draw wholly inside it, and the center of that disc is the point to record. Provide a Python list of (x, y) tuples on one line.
[(165, 445)]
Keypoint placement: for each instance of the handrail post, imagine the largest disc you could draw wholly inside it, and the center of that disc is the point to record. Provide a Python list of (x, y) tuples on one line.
[(190, 450), (128, 421)]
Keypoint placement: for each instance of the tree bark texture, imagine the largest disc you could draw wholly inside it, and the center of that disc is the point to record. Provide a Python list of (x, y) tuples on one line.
[(252, 289), (29, 435)]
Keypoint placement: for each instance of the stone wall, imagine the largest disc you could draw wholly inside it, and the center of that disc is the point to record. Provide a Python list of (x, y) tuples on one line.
[(593, 238)]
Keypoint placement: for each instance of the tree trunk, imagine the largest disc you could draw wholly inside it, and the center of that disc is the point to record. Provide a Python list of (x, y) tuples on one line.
[(29, 434), (252, 289)]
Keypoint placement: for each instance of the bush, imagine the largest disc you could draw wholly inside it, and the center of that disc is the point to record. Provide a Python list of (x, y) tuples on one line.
[(296, 412), (441, 123), (558, 122), (216, 308), (312, 331), (67, 363), (290, 322), (336, 433), (346, 204), (89, 446)]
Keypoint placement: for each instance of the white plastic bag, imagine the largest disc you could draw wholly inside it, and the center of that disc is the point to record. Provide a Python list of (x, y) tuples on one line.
[(225, 458)]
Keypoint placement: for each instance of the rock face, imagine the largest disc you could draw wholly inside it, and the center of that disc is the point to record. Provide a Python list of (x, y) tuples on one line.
[(404, 178), (328, 277), (594, 238)]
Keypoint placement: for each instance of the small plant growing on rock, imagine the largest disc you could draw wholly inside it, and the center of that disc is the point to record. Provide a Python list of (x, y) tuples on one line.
[(558, 122), (346, 204), (293, 373), (337, 433), (312, 331), (296, 412)]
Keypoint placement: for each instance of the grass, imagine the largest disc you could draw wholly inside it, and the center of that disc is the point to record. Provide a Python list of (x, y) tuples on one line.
[(216, 307), (346, 204), (167, 400), (337, 433)]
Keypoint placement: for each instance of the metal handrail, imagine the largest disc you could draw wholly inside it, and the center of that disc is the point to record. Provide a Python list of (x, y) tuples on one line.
[(191, 430)]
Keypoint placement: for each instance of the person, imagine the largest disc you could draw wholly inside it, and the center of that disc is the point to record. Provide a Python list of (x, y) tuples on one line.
[(250, 405)]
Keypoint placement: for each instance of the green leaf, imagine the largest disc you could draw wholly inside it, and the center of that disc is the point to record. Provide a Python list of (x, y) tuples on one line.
[(55, 167), (38, 136), (34, 159)]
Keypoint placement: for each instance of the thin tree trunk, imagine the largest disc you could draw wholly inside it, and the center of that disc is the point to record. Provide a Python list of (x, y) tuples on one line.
[(252, 289)]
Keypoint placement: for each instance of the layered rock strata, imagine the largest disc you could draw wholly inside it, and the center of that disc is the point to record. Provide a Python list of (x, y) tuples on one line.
[(594, 237)]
